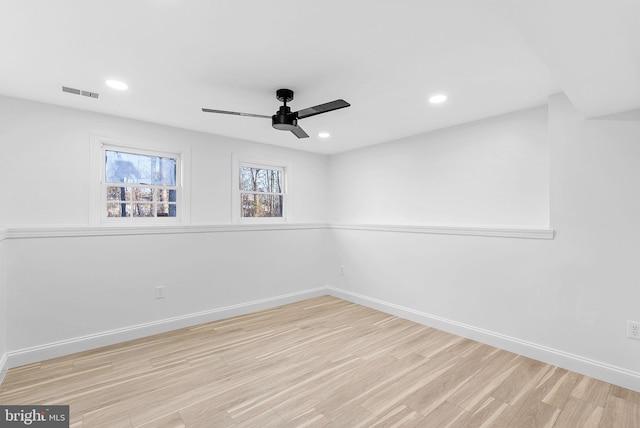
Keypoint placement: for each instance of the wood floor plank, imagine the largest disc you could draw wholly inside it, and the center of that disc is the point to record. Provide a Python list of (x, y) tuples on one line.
[(447, 415), (400, 416), (591, 390), (520, 382), (404, 386), (620, 413), (206, 414), (309, 419), (537, 415), (489, 413), (440, 389), (477, 388), (356, 417), (173, 420), (580, 413), (557, 386), (626, 394), (323, 362)]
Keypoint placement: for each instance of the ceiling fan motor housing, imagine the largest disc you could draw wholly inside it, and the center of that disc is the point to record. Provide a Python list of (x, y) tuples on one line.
[(284, 120)]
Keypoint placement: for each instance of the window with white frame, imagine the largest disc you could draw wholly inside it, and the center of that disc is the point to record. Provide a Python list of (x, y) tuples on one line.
[(261, 191), (139, 184)]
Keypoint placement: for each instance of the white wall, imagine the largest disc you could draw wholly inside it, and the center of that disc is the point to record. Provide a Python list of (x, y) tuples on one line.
[(593, 271), (565, 300), (64, 288), (69, 286), (490, 172), (3, 307)]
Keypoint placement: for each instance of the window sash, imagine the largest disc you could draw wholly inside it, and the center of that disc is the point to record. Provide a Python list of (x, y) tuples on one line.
[(282, 196), (269, 170), (140, 168)]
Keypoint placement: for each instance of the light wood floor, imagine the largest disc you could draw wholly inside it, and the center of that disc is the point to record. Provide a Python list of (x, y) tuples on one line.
[(323, 362)]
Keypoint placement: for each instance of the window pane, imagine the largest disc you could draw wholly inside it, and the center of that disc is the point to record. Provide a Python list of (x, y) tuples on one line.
[(142, 210), (118, 210), (166, 210), (121, 167), (165, 195), (257, 205), (118, 193), (142, 194), (260, 180), (246, 179)]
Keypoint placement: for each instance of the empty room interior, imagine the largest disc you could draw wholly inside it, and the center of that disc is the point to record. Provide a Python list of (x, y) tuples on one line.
[(438, 228)]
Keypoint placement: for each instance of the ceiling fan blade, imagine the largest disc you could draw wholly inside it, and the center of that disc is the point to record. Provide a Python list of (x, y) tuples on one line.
[(208, 110), (322, 108), (299, 132)]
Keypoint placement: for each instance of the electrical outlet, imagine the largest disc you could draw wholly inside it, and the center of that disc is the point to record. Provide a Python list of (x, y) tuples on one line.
[(633, 329), (160, 292), (341, 270)]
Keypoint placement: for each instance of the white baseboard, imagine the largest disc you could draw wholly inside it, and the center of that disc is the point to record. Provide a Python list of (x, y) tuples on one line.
[(65, 347), (596, 369)]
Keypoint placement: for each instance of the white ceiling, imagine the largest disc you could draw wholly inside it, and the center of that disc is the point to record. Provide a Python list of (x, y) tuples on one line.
[(385, 58)]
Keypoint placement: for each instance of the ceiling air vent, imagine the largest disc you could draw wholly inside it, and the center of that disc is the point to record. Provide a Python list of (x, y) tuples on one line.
[(80, 92)]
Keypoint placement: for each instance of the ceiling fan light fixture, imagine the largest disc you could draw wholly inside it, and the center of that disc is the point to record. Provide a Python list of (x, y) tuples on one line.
[(284, 121), (116, 84), (437, 98)]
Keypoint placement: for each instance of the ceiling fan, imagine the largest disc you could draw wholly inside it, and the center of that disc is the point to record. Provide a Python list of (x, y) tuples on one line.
[(285, 119)]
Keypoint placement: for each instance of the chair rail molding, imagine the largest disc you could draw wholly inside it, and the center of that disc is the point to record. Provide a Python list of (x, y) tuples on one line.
[(500, 232), (85, 231)]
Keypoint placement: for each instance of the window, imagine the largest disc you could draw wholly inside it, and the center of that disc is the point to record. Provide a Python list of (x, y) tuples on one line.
[(140, 185), (137, 184), (261, 191)]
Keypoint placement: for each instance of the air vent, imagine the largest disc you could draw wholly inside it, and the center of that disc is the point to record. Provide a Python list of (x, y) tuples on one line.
[(80, 92)]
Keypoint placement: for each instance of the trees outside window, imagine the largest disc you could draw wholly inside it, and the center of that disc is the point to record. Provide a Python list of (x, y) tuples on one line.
[(262, 191)]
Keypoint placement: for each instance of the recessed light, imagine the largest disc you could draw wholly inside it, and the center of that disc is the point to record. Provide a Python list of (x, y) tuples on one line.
[(324, 135), (437, 99), (116, 84)]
